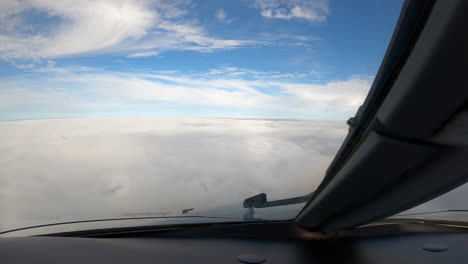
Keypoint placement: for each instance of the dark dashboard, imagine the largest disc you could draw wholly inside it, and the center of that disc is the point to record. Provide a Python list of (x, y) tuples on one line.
[(274, 243)]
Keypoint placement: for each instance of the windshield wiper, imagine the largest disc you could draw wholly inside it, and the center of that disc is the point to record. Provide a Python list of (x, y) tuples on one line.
[(434, 212), (261, 201), (441, 222), (123, 219)]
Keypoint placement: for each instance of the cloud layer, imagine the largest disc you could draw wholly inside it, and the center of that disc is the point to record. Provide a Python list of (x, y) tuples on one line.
[(77, 169)]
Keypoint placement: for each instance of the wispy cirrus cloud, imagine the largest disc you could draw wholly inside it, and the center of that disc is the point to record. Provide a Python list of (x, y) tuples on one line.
[(77, 90), (48, 28), (311, 10), (221, 15)]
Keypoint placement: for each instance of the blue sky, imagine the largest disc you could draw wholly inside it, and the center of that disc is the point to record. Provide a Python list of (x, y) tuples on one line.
[(247, 58)]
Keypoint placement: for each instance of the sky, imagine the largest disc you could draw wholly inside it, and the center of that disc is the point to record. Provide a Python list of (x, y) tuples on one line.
[(245, 58)]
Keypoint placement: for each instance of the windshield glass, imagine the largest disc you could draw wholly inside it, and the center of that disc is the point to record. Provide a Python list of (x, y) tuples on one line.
[(176, 111), (448, 207)]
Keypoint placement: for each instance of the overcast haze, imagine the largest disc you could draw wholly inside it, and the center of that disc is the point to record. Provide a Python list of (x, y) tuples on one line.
[(75, 169)]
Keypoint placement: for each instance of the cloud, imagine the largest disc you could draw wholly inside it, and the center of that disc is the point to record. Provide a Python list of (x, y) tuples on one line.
[(47, 28), (87, 168), (60, 170), (143, 54), (222, 16), (225, 90), (310, 10), (282, 39)]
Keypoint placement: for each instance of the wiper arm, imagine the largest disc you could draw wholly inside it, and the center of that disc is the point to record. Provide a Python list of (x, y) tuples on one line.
[(260, 201), (185, 211)]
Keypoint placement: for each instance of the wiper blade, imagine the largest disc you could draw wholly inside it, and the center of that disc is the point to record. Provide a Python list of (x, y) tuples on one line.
[(260, 201), (435, 212), (123, 219), (420, 221)]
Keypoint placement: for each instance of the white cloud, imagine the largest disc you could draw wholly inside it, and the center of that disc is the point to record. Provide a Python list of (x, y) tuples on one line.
[(78, 169), (311, 10), (260, 94), (104, 26), (143, 54), (222, 16)]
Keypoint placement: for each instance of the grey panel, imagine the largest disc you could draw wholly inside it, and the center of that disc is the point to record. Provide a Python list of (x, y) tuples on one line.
[(439, 176), (378, 163), (454, 132), (432, 85)]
